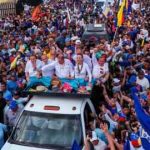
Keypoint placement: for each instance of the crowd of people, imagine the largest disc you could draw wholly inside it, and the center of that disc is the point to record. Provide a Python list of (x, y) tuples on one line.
[(47, 53)]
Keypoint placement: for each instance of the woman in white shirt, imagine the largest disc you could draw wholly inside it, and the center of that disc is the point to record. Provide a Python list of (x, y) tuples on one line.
[(101, 70), (82, 70)]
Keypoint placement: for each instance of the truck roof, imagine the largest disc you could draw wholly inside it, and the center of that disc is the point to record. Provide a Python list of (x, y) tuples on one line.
[(55, 104)]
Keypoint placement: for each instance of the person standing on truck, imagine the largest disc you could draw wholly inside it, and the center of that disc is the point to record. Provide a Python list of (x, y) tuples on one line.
[(82, 70), (63, 67), (101, 70)]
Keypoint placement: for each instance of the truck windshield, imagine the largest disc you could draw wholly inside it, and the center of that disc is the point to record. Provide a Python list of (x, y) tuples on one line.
[(48, 130)]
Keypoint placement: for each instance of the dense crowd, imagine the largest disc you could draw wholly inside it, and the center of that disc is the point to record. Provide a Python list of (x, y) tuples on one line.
[(48, 54)]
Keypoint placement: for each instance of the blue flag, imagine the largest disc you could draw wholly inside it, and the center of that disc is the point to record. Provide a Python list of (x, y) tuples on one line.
[(75, 146), (143, 118), (126, 145)]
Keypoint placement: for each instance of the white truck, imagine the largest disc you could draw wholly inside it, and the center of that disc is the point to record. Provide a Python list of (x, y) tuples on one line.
[(51, 122)]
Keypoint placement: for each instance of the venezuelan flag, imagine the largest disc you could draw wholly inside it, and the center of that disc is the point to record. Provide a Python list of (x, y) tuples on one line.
[(127, 4), (14, 63), (120, 15)]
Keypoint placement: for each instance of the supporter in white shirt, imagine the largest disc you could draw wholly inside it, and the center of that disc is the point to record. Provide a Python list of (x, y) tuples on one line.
[(94, 60), (63, 67), (46, 61), (135, 5), (100, 70), (33, 65), (86, 58), (143, 81), (98, 144), (82, 70)]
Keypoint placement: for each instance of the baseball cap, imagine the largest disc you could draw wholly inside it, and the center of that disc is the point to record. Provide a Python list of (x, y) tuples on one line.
[(116, 80), (67, 40), (143, 97), (94, 136), (13, 105), (78, 42), (8, 98)]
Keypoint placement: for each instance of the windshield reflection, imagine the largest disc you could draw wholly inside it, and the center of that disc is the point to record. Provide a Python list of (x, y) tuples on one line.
[(48, 129)]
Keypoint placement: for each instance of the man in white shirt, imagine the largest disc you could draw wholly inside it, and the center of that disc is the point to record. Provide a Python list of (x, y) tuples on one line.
[(46, 61), (143, 81), (33, 65), (97, 143), (82, 70), (63, 67)]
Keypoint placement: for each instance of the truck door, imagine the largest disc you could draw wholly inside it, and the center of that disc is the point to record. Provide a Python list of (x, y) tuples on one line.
[(88, 117)]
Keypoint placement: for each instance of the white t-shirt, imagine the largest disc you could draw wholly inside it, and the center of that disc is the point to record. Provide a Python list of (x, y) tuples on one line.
[(86, 59), (29, 67), (100, 146), (135, 6), (143, 82), (100, 71), (61, 70), (48, 73), (82, 71), (94, 60)]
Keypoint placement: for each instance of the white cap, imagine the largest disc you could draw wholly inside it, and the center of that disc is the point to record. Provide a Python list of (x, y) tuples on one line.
[(94, 136), (127, 47), (78, 42), (12, 50), (116, 80)]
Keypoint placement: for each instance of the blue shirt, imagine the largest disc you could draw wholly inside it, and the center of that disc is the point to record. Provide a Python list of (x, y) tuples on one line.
[(100, 134), (3, 128), (7, 94), (12, 85)]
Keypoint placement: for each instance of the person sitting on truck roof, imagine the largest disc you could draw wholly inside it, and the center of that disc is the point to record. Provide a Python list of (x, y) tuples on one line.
[(63, 67), (86, 58), (46, 61), (82, 70), (32, 66)]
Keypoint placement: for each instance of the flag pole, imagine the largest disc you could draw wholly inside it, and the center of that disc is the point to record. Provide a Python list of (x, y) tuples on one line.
[(115, 34)]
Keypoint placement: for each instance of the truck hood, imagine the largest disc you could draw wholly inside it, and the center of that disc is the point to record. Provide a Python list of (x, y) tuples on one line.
[(9, 146)]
